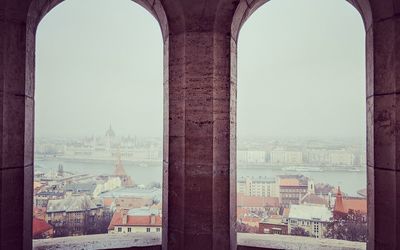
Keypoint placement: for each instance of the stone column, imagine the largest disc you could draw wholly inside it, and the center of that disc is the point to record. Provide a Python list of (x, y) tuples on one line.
[(200, 129), (16, 130), (383, 121)]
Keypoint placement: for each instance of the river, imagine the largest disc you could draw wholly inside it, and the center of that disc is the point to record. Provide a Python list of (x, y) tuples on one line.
[(350, 182)]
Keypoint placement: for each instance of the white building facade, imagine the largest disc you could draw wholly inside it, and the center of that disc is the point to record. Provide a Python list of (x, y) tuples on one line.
[(312, 218)]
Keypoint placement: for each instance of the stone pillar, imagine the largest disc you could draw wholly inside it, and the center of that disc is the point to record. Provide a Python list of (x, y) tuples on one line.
[(200, 129), (383, 122), (16, 130)]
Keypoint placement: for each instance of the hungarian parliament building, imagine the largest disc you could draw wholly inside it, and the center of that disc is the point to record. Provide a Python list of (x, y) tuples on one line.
[(101, 148)]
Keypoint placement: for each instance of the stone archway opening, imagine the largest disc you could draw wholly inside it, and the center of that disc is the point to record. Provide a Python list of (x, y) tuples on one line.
[(200, 39), (98, 132), (306, 67)]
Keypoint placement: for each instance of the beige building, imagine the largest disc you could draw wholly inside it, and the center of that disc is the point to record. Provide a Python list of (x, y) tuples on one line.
[(261, 186), (292, 188)]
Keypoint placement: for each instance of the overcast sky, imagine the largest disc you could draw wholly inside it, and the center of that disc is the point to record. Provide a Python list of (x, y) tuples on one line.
[(301, 70)]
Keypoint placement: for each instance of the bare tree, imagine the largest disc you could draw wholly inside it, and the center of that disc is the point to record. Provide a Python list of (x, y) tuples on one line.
[(351, 226)]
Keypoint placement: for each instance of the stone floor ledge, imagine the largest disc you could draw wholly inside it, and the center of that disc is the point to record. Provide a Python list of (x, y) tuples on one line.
[(268, 241), (101, 241), (152, 241)]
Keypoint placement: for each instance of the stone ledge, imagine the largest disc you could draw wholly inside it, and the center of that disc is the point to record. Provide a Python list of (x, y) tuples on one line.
[(153, 241), (296, 242), (99, 241)]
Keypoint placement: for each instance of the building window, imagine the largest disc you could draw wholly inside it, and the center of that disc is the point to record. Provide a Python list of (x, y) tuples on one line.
[(148, 230), (119, 229), (129, 229)]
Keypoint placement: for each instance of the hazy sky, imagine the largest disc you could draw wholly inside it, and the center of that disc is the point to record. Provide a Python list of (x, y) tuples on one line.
[(300, 70), (99, 62)]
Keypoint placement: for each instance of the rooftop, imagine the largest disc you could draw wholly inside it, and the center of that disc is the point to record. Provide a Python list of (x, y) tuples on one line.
[(293, 180), (310, 212), (39, 227), (153, 193), (314, 199), (71, 203), (262, 179), (273, 219), (88, 186), (136, 217), (256, 201), (143, 211), (355, 204)]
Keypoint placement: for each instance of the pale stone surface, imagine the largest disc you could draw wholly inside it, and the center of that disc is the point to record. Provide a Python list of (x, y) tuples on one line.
[(106, 241), (99, 241), (293, 242)]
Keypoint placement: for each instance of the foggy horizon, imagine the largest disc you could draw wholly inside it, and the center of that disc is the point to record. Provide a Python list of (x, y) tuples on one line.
[(101, 66)]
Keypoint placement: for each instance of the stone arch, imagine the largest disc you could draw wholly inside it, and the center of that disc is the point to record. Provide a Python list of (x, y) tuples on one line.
[(380, 19), (246, 8), (37, 10), (199, 77)]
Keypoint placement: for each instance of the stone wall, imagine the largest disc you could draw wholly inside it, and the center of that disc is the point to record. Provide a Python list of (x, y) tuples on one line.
[(150, 241), (200, 45)]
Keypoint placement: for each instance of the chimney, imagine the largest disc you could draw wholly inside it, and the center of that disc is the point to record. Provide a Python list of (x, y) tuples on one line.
[(124, 216), (339, 202), (152, 219)]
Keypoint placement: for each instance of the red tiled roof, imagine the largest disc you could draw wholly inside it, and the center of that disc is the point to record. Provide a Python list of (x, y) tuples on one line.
[(40, 226), (116, 219), (256, 201), (355, 205), (339, 202), (344, 205), (143, 221), (133, 220)]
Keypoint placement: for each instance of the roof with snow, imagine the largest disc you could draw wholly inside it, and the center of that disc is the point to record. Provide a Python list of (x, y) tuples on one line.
[(136, 217), (143, 211), (310, 212), (152, 193), (73, 203)]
